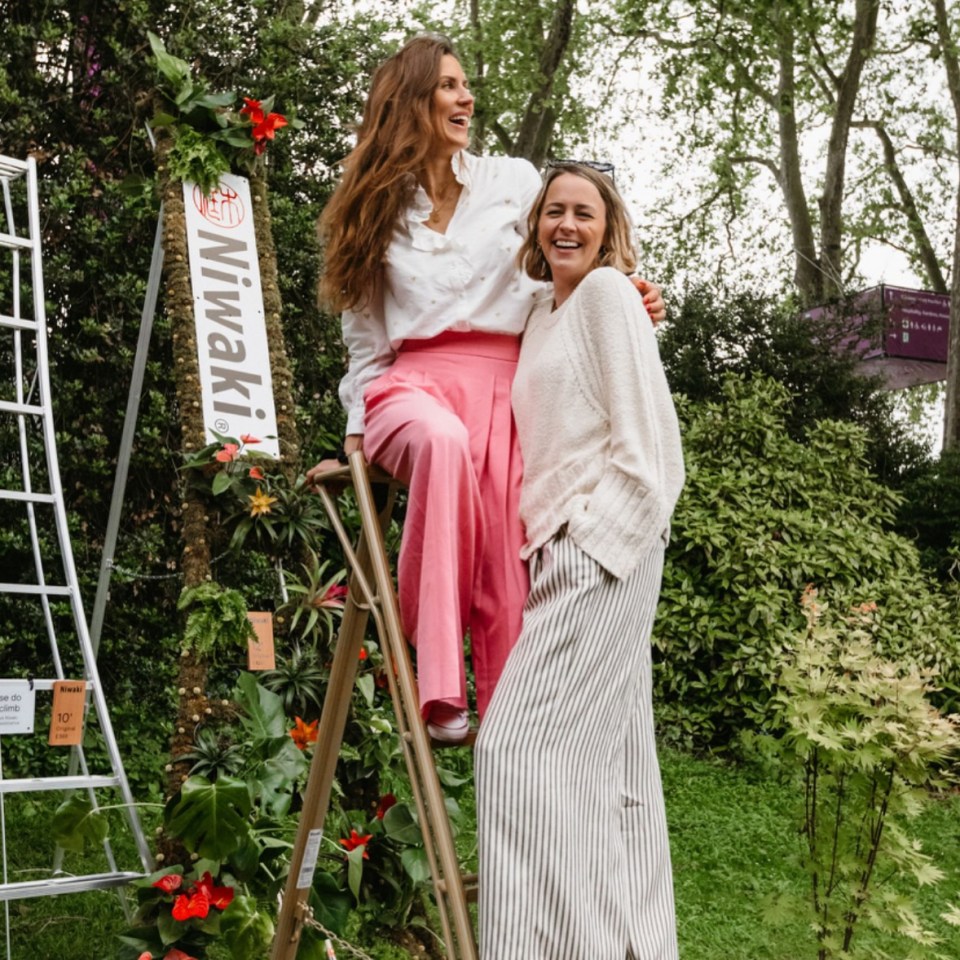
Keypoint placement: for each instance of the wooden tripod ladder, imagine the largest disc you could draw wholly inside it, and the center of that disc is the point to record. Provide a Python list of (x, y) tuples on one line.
[(371, 593)]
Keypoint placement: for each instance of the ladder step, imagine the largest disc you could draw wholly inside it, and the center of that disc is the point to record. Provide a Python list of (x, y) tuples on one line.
[(48, 685), (10, 167), (27, 408), (27, 497), (29, 784), (36, 590), (17, 323), (11, 242), (57, 885)]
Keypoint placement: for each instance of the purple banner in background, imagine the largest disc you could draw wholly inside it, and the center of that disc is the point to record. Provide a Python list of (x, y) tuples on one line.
[(917, 323), (899, 333)]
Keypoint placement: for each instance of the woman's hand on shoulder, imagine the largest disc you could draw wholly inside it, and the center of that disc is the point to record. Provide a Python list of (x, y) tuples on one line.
[(652, 299)]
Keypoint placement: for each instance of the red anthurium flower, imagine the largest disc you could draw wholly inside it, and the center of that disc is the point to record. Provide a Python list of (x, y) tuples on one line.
[(169, 883), (146, 955), (195, 905), (256, 473), (174, 954), (249, 438), (228, 453), (304, 733), (386, 802), (355, 840), (219, 897)]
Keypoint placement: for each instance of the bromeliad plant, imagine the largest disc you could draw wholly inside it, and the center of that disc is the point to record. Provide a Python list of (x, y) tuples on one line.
[(256, 498), (870, 747)]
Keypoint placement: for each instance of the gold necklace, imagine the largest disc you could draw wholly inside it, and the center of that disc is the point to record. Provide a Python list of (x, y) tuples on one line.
[(443, 202)]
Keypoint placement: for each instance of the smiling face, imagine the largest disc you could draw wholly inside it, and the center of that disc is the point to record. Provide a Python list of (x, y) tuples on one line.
[(452, 106), (570, 230)]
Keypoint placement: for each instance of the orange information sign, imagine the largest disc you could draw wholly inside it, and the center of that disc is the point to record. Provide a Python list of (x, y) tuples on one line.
[(260, 652), (66, 719)]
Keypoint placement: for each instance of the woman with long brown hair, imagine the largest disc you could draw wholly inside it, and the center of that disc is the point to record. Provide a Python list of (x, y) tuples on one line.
[(420, 239)]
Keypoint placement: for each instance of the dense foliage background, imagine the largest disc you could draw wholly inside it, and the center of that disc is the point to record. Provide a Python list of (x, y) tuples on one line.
[(799, 470)]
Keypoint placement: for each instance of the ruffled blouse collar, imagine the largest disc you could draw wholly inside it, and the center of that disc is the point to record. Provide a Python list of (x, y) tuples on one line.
[(419, 210)]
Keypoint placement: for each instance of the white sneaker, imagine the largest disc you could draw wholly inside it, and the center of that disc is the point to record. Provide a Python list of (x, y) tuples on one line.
[(448, 724)]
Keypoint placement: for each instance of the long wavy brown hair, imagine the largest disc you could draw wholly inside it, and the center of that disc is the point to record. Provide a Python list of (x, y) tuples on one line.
[(395, 137)]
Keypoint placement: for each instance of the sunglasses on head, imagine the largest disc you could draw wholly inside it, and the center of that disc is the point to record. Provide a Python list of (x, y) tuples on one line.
[(599, 165)]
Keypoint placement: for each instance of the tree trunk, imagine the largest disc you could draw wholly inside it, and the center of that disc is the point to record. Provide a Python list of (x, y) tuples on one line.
[(831, 200), (807, 275), (536, 128), (951, 420)]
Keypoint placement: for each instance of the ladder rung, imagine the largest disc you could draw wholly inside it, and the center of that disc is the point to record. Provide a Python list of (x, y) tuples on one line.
[(12, 242), (7, 407), (17, 323), (36, 589), (58, 885), (11, 167), (29, 784), (27, 497), (48, 685)]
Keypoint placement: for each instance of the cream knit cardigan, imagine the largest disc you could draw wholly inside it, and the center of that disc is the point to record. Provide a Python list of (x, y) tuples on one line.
[(597, 427)]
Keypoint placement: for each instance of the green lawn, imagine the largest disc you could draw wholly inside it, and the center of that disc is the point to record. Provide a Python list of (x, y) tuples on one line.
[(732, 835), (733, 839)]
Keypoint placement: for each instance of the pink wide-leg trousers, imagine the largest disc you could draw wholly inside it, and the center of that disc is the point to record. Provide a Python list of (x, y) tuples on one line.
[(440, 421)]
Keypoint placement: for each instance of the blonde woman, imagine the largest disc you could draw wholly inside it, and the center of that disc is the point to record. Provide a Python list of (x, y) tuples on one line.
[(574, 856)]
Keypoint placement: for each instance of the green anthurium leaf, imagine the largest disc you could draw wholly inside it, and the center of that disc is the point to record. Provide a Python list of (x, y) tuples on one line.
[(263, 717), (355, 870), (221, 483), (75, 821), (415, 862), (398, 823), (366, 685), (245, 930), (170, 930), (331, 905), (211, 922), (245, 860), (214, 100), (141, 939), (210, 818)]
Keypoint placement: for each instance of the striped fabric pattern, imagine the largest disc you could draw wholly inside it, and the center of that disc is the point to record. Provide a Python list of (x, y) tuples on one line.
[(574, 855)]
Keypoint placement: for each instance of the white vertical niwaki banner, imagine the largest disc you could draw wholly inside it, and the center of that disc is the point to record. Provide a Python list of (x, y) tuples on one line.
[(235, 380)]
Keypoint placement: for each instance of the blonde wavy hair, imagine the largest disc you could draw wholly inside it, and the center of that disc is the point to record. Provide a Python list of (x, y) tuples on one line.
[(617, 250), (394, 139)]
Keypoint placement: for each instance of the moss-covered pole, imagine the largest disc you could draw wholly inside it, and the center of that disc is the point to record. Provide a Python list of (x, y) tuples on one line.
[(192, 703)]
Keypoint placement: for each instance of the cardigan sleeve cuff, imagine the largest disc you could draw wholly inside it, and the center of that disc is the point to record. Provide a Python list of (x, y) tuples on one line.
[(622, 519)]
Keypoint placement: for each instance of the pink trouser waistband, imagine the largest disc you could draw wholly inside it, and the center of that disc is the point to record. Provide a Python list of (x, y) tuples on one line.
[(496, 346)]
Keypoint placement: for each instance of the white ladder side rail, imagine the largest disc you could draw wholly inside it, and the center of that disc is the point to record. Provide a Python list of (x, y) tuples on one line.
[(23, 408)]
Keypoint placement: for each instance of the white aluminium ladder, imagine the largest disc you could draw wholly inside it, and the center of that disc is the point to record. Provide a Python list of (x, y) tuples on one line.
[(43, 594)]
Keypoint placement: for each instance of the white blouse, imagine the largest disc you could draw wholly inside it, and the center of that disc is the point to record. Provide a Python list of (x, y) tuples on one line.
[(464, 279)]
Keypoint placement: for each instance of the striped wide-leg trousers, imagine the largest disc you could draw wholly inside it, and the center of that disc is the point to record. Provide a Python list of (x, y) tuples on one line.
[(574, 856)]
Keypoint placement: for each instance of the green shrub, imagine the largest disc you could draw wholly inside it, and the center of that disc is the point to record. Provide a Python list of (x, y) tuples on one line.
[(866, 744), (761, 516)]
